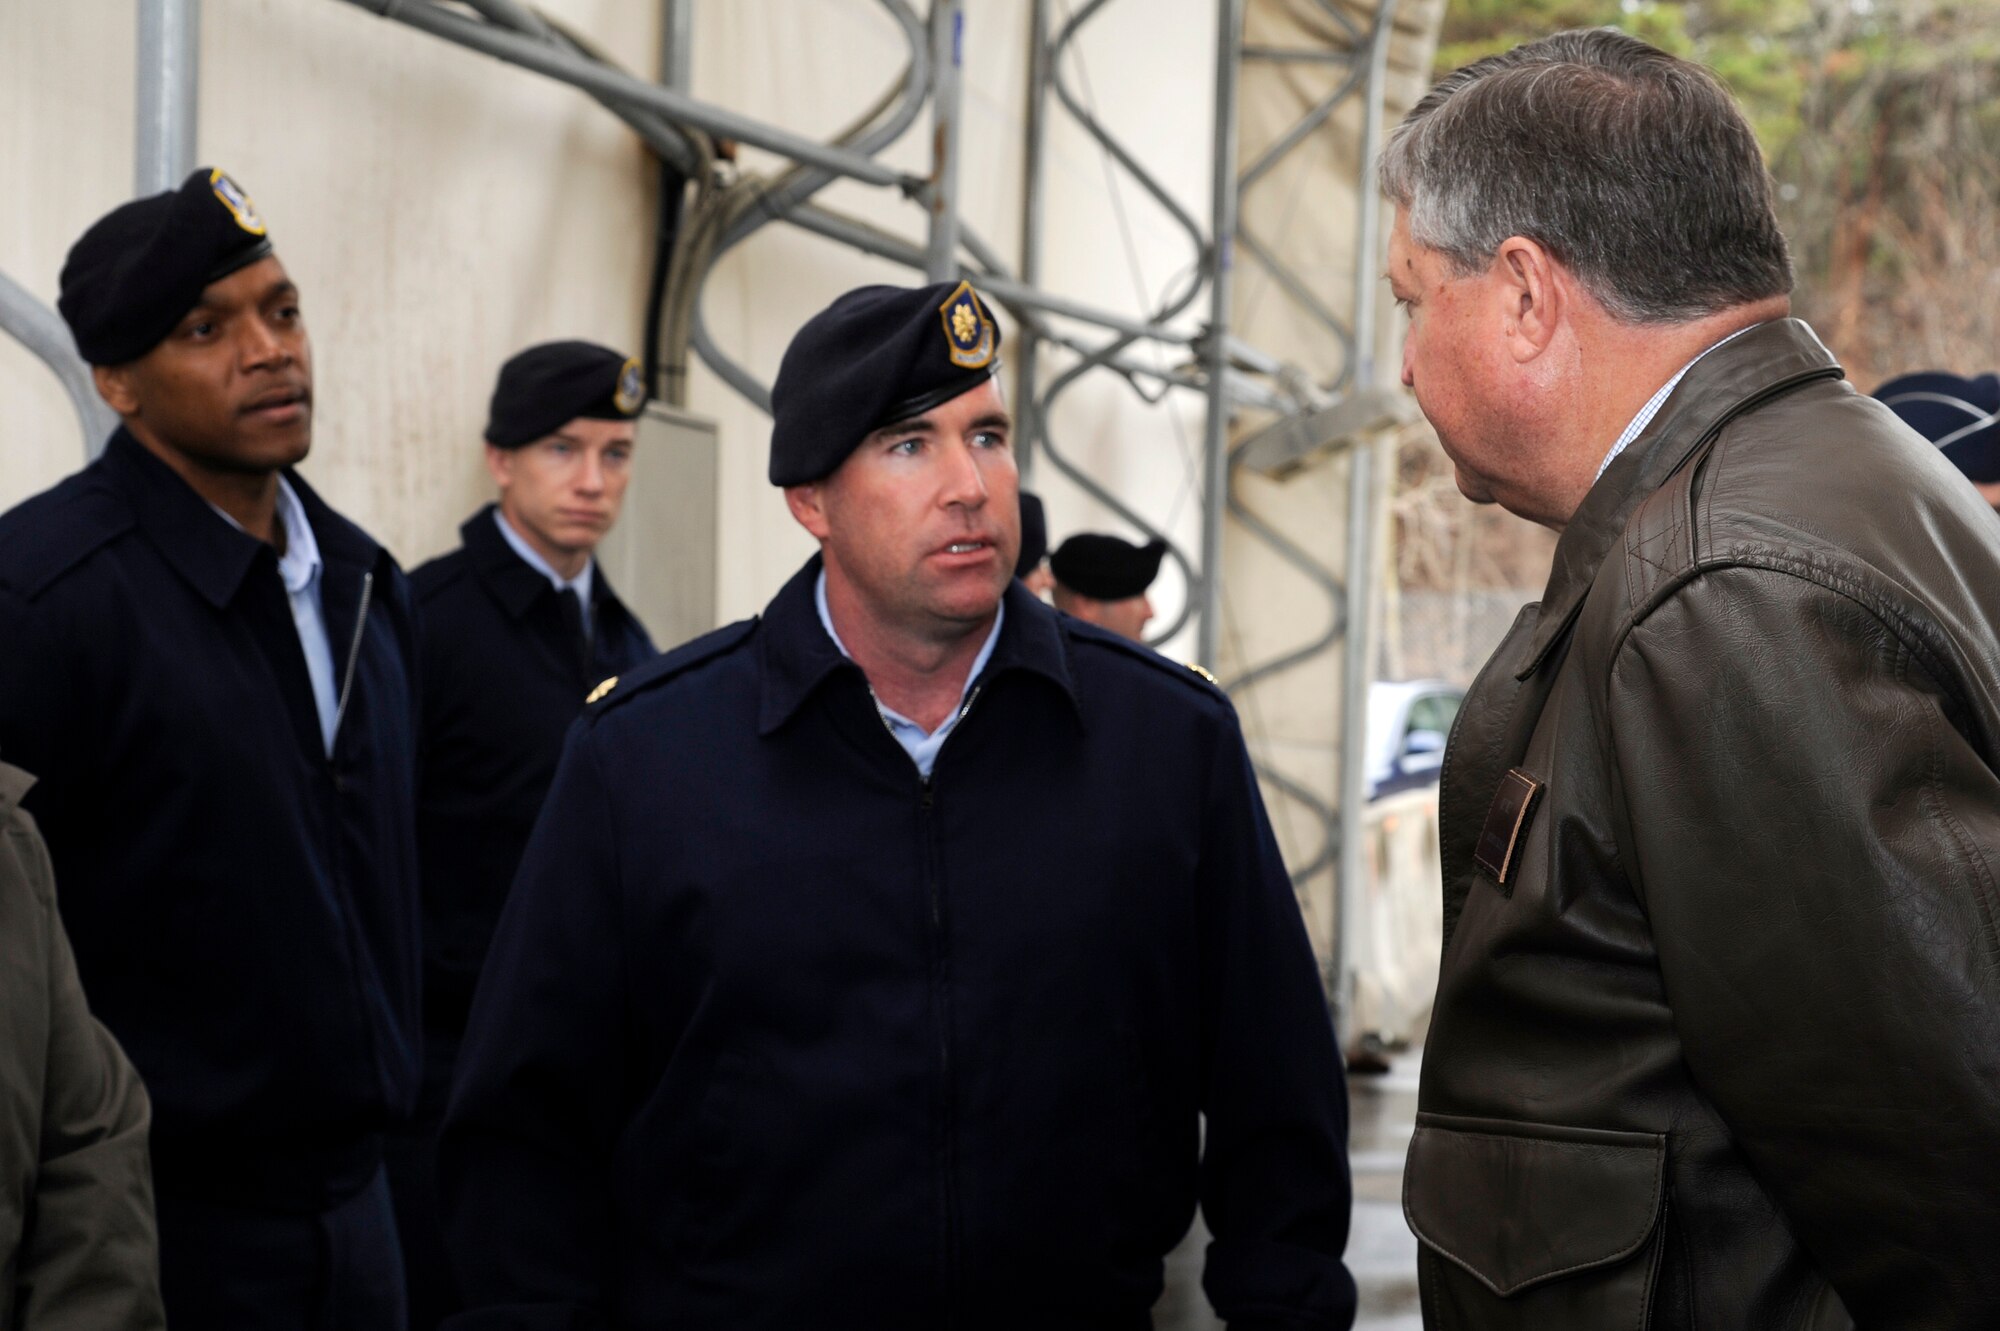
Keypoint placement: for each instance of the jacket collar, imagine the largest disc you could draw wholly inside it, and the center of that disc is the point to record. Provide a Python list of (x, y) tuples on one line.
[(512, 581), (798, 656), (215, 556), (212, 555), (14, 786), (1743, 373)]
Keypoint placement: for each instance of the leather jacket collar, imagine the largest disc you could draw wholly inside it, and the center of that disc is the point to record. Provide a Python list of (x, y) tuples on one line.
[(1743, 373)]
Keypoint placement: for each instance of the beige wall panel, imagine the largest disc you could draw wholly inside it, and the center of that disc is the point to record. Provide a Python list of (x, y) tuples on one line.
[(66, 144)]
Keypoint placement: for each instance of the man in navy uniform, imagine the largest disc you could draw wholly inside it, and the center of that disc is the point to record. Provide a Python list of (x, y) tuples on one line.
[(212, 673), (519, 624), (1102, 579), (786, 1024)]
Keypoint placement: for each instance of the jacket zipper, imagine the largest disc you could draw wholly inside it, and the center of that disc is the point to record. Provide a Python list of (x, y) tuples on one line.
[(353, 659), (926, 809)]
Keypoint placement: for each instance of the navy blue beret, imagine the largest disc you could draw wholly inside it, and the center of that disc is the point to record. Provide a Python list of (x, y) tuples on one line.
[(142, 266), (1105, 567), (544, 388), (875, 356), (1955, 413), (1034, 535)]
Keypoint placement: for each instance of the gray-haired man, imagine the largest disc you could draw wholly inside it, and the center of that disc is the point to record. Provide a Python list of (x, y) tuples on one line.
[(1717, 1037)]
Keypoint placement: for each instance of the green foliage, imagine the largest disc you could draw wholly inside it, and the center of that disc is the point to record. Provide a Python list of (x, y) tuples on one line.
[(1750, 44)]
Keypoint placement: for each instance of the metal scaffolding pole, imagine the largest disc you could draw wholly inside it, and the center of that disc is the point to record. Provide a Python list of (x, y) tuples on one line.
[(947, 23), (1222, 239), (169, 61), (1358, 655), (677, 43), (1027, 356), (614, 85)]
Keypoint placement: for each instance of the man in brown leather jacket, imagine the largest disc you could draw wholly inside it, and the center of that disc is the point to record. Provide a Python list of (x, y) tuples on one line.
[(1717, 1038)]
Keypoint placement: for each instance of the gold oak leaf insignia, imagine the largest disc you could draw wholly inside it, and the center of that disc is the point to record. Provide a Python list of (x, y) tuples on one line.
[(964, 323)]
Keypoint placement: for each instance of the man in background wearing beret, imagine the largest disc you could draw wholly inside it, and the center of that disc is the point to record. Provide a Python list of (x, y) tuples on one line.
[(1102, 580), (787, 1025), (518, 624), (1031, 566), (1961, 416), (210, 671)]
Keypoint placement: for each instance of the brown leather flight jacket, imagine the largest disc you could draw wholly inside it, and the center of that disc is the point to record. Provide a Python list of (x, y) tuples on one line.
[(1717, 1038)]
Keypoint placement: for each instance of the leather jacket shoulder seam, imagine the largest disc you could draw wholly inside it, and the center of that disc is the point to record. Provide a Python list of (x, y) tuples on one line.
[(1904, 627)]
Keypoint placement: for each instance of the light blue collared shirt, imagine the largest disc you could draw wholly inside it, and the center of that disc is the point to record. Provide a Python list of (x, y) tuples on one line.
[(922, 747), (580, 584), (1655, 402), (300, 569)]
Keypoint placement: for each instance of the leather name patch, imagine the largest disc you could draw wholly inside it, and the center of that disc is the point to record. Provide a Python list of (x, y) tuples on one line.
[(1500, 840)]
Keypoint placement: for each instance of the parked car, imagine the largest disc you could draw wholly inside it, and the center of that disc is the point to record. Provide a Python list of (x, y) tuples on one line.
[(1408, 723)]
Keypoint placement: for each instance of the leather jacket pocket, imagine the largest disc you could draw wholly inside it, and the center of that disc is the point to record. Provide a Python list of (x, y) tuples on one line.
[(1529, 1225)]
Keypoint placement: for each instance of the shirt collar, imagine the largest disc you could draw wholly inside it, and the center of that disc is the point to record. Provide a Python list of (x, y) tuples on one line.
[(978, 662), (798, 653), (580, 584), (1657, 400), (300, 563)]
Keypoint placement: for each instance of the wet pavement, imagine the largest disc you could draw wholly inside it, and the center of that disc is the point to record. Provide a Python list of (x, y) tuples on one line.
[(1381, 1251)]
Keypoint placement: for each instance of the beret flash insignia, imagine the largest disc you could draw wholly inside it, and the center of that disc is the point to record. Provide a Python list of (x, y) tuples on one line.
[(236, 201), (968, 331), (630, 394)]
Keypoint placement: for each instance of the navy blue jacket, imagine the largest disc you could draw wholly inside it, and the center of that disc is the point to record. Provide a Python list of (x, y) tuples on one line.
[(504, 676), (776, 1034), (243, 908)]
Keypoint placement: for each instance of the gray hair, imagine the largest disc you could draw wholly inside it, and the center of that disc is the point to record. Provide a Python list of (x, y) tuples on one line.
[(1634, 168)]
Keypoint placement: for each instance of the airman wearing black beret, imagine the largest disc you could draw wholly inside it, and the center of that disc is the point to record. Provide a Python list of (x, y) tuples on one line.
[(519, 624), (1102, 579), (787, 1023), (210, 670)]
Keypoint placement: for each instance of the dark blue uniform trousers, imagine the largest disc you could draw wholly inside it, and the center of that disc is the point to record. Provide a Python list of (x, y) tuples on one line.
[(229, 1268)]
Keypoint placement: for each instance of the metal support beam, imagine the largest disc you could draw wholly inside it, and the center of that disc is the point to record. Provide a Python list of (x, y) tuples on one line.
[(1222, 247), (42, 331), (1358, 651), (169, 61), (947, 23), (614, 85), (1367, 257), (1356, 669), (677, 38), (1027, 354)]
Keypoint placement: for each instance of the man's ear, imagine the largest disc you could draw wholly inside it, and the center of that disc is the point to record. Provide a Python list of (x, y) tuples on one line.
[(500, 462), (1536, 291), (114, 385), (808, 505)]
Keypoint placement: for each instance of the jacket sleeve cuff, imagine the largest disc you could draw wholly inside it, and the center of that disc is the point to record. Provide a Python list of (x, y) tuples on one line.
[(1262, 1285)]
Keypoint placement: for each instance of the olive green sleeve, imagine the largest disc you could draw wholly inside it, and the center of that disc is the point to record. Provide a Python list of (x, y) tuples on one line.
[(90, 1257)]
